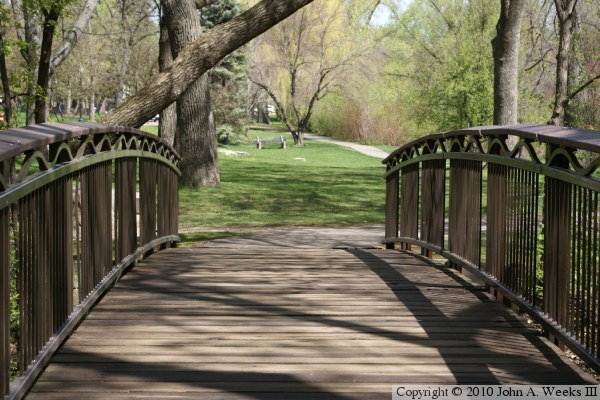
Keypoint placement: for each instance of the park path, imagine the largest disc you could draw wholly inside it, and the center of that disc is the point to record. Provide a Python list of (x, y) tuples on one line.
[(361, 148)]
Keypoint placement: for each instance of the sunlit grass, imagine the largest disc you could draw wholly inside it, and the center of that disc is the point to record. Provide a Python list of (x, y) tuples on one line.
[(317, 185)]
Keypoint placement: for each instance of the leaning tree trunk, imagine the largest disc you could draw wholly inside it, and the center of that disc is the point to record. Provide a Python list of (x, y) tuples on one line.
[(195, 138), (199, 57), (565, 11), (505, 50), (167, 123)]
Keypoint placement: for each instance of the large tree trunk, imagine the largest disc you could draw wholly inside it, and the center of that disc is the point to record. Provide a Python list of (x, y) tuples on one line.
[(167, 123), (565, 11), (195, 139), (43, 79), (199, 57), (505, 50)]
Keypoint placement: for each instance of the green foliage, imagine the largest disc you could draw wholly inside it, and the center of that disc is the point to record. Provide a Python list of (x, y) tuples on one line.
[(435, 73), (218, 13), (228, 79), (449, 78), (227, 134)]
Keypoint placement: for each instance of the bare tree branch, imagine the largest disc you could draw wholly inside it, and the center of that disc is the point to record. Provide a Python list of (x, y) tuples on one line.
[(70, 41), (585, 85)]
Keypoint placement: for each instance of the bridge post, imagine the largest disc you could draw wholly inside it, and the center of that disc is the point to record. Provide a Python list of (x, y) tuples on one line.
[(391, 207)]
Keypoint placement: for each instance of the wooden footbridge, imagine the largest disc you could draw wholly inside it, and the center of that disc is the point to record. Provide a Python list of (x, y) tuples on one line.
[(96, 302)]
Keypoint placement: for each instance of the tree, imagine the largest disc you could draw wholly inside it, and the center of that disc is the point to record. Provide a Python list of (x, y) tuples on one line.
[(198, 57), (441, 67), (583, 106), (505, 50), (195, 137), (300, 60), (167, 123), (567, 22), (36, 22), (127, 23), (7, 103), (228, 79), (51, 13)]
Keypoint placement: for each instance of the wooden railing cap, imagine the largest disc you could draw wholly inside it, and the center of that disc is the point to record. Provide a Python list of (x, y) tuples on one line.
[(18, 140), (557, 135)]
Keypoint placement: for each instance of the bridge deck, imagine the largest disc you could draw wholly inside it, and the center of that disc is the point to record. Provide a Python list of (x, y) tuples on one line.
[(280, 323)]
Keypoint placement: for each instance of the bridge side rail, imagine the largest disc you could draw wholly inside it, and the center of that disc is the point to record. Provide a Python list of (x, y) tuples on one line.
[(517, 205), (69, 227)]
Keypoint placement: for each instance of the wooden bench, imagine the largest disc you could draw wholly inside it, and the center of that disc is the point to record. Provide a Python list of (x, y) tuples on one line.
[(260, 141)]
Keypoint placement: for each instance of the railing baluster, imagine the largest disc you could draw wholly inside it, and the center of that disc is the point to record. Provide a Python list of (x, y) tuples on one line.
[(409, 203), (148, 171), (465, 210), (432, 203), (391, 207), (125, 207), (496, 220)]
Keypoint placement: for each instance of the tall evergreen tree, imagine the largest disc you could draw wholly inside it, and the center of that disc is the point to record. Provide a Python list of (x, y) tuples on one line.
[(228, 79)]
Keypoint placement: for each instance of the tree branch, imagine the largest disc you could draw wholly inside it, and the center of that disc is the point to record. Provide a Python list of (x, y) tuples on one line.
[(582, 87), (535, 64), (199, 57), (279, 105), (64, 48)]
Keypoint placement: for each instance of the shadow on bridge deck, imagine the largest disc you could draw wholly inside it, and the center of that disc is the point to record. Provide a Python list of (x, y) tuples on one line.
[(235, 321)]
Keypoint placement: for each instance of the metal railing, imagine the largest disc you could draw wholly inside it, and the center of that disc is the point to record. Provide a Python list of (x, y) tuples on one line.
[(69, 227), (517, 205)]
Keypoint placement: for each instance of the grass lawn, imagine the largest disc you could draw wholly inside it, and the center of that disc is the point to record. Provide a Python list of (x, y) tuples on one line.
[(317, 185)]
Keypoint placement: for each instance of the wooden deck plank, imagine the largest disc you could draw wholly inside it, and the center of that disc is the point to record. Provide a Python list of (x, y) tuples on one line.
[(218, 323)]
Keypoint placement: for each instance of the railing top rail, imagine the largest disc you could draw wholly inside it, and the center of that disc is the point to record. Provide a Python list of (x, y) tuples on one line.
[(19, 140), (580, 139)]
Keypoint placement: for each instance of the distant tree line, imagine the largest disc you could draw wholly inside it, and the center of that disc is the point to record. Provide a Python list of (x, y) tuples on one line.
[(366, 70)]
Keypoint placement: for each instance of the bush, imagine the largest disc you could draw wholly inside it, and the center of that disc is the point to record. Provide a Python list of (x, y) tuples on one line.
[(227, 134)]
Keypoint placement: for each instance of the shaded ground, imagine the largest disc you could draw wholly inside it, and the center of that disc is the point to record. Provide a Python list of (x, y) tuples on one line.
[(322, 238)]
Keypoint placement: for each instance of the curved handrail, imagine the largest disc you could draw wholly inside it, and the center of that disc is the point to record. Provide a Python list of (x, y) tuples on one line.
[(69, 195), (519, 206)]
